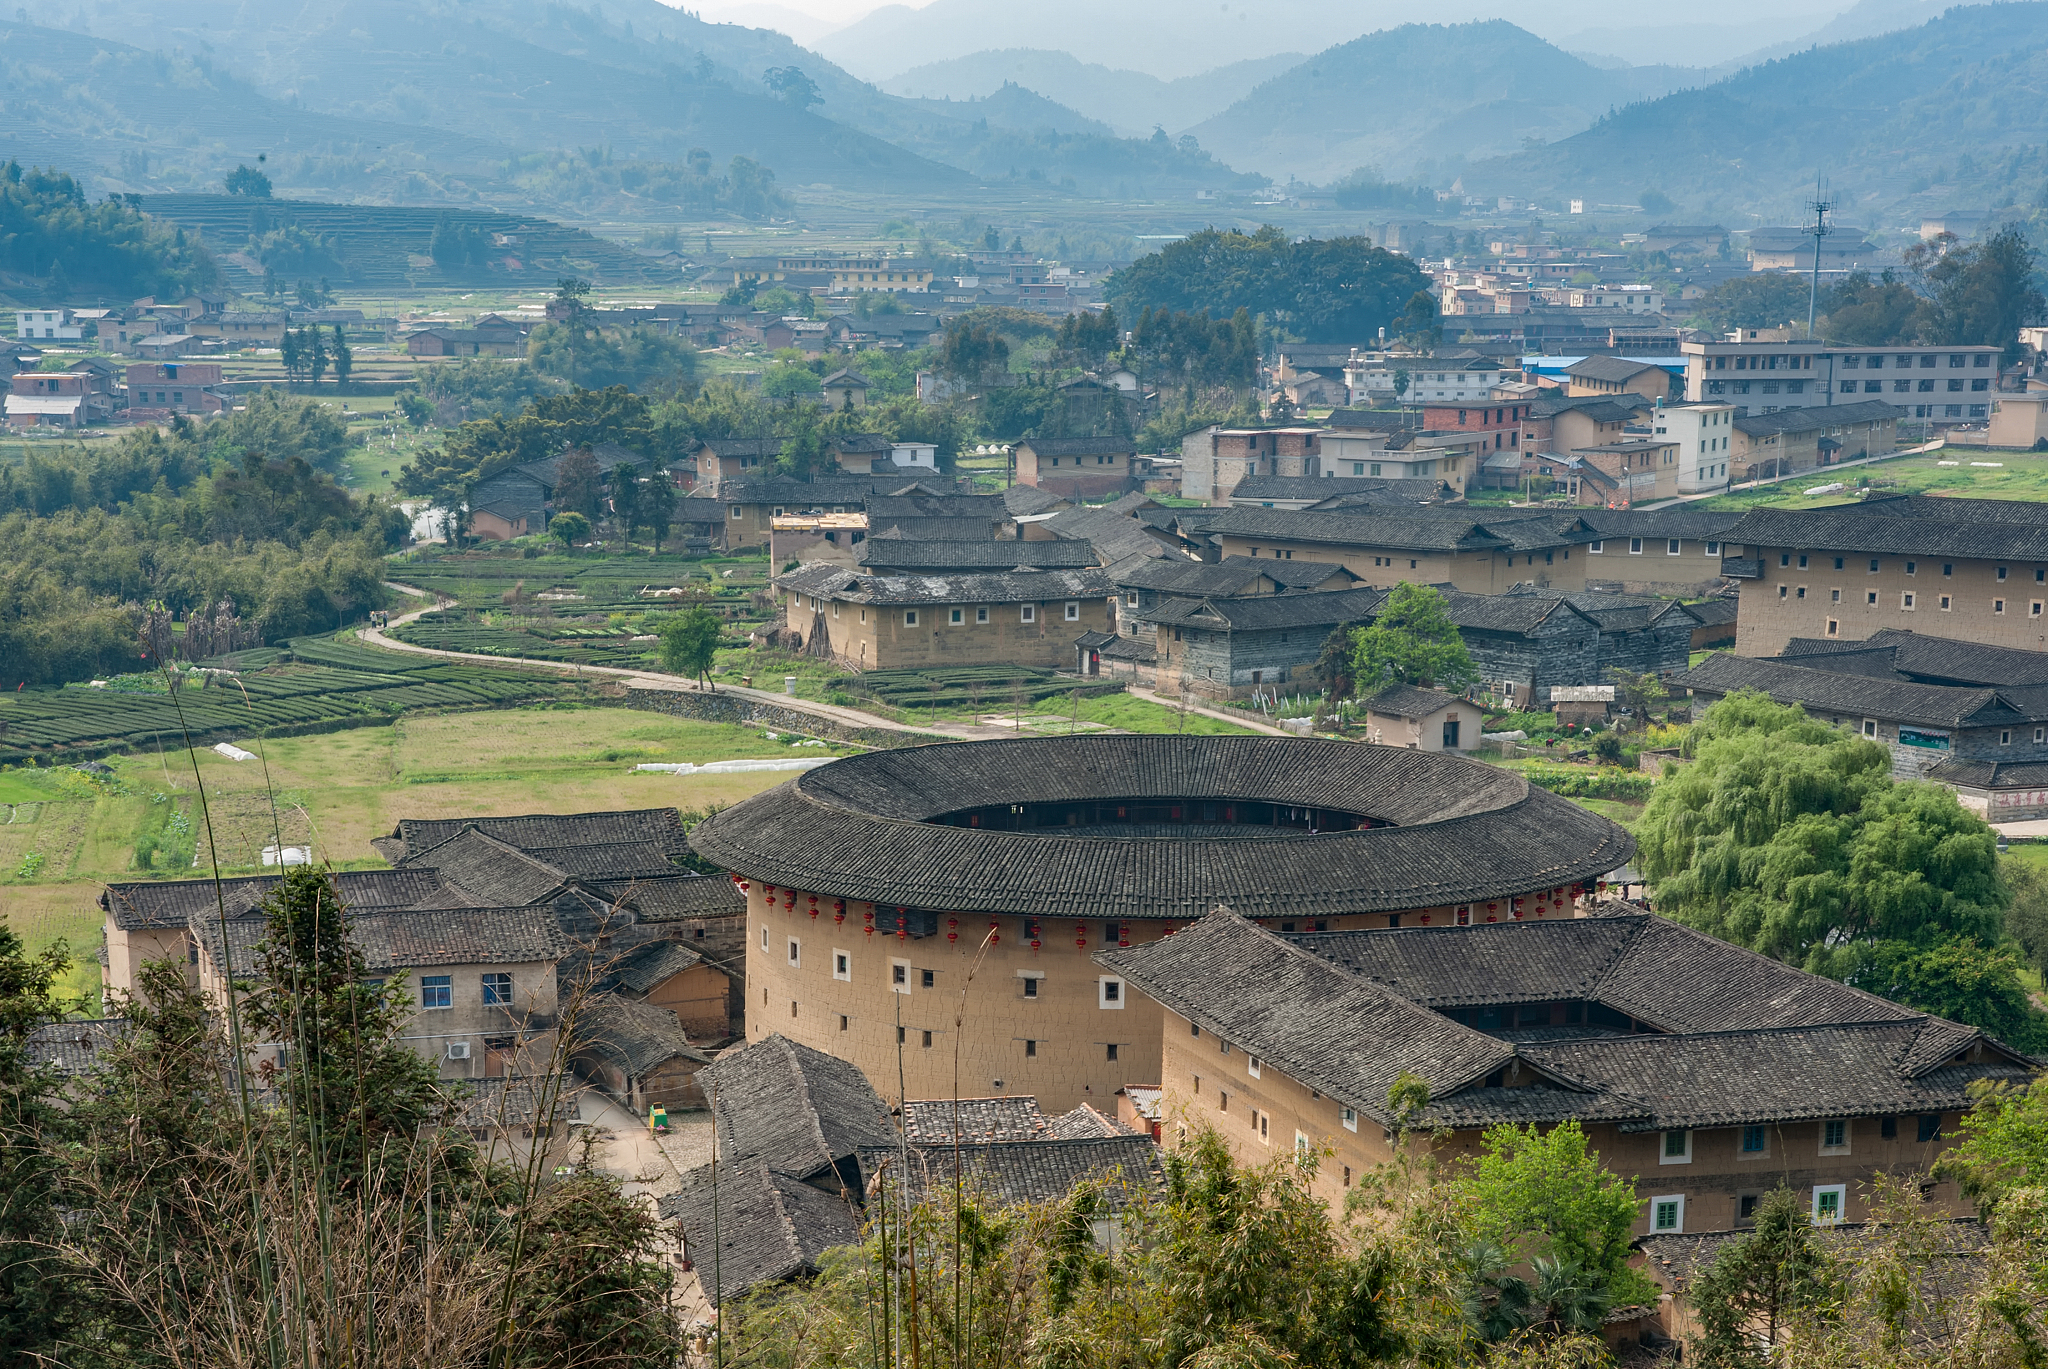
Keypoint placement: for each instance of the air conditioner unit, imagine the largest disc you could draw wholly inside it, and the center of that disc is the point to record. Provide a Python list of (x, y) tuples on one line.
[(458, 1050)]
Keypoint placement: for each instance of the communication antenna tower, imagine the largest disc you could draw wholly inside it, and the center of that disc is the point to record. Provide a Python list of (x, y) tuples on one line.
[(1820, 206)]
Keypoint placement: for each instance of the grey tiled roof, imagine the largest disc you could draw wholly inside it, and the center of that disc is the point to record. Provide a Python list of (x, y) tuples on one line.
[(883, 508), (174, 903), (1934, 660), (658, 825), (1516, 613), (911, 591), (1032, 1172), (1614, 369), (932, 529), (1116, 536), (891, 555), (861, 828), (1427, 528), (1319, 487), (1931, 527), (1232, 576), (1409, 701), (73, 1047), (1085, 1123), (1270, 612), (673, 896), (1078, 446), (978, 1119), (416, 939), (1834, 694), (795, 1109), (491, 871), (638, 1036), (768, 1226), (1023, 501), (755, 488), (603, 860), (1813, 419), (1321, 1026), (516, 1100), (1991, 774), (647, 967)]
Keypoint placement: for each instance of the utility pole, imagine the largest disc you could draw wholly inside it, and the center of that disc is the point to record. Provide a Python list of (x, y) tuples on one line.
[(1820, 207)]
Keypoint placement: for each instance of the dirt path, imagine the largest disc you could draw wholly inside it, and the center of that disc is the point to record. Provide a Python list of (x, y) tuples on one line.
[(654, 679)]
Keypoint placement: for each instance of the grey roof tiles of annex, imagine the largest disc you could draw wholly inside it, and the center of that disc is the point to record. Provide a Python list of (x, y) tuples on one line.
[(863, 828)]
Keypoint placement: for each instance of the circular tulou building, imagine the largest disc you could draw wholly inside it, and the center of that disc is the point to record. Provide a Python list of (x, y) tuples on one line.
[(946, 900)]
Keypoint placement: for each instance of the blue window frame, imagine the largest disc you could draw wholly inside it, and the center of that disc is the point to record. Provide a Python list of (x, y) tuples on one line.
[(436, 991), (497, 990), (1752, 1140)]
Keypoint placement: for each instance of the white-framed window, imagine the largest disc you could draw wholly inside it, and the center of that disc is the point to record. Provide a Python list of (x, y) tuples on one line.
[(1671, 546), (1300, 1143), (764, 936), (796, 953), (1596, 547), (981, 614), (1030, 982), (1348, 1118), (1667, 1213), (1675, 1149), (910, 617), (1870, 727), (497, 990), (1713, 548), (899, 975), (437, 991), (1263, 1122), (1998, 605), (1131, 598), (1109, 992), (1906, 600), (1829, 1202), (1073, 612), (1251, 1066), (957, 616), (1834, 1137), (735, 512), (1635, 546), (1029, 613), (842, 965)]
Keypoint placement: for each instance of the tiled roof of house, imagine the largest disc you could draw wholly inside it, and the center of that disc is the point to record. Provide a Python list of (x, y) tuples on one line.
[(414, 939), (742, 446), (1085, 1123), (769, 1226), (491, 871), (1232, 576), (1315, 488), (73, 1047), (1738, 1038), (919, 528), (1718, 613), (176, 903), (1684, 521), (1991, 774), (639, 1037), (1426, 528), (1013, 1173), (882, 508), (1615, 370), (1116, 535), (1014, 587), (1516, 613), (536, 830), (1882, 527), (905, 556), (1023, 501), (1409, 701), (1831, 693), (795, 1109), (672, 896), (610, 860), (862, 828), (1819, 417), (1270, 612), (1931, 660), (1600, 408), (753, 487), (1013, 1118), (648, 966)]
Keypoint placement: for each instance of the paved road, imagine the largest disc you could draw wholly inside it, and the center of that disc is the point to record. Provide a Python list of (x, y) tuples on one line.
[(655, 679)]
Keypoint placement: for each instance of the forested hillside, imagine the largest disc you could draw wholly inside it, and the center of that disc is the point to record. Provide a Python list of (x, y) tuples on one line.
[(1958, 106)]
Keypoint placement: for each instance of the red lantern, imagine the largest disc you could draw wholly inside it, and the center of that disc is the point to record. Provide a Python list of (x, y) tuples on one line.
[(995, 931), (1425, 919), (768, 891), (952, 929), (1123, 934), (1081, 935), (839, 910), (1168, 931), (1493, 907), (903, 924)]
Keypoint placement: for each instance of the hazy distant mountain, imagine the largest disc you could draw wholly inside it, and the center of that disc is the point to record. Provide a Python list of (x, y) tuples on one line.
[(1415, 96), (1955, 110), (804, 28), (1130, 102)]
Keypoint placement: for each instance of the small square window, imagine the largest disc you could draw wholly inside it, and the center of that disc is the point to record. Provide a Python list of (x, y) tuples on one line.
[(1029, 613), (1671, 546), (1906, 599), (1677, 1148), (981, 614), (956, 616), (1745, 1207), (1595, 547), (1944, 603), (1802, 560), (2005, 737), (1109, 993), (1251, 1066), (1834, 596), (1912, 566), (1930, 1127), (1073, 613), (927, 1043), (1801, 594), (1109, 1053), (1635, 546), (926, 979), (497, 990), (1713, 548), (1782, 590), (1668, 1213), (910, 617), (899, 974), (436, 991), (1948, 568), (2001, 574), (1828, 1202), (1870, 727), (1870, 596), (1888, 1128), (796, 952), (1348, 1118), (1754, 1140), (1998, 605), (844, 1022), (1030, 982), (1834, 1138)]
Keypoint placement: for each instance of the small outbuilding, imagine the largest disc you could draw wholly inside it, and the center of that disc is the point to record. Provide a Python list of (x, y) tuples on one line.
[(1421, 719), (1584, 705)]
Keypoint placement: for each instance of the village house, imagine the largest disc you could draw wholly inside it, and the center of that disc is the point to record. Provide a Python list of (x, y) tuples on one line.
[(1704, 434), (1228, 647), (1563, 423), (877, 622), (1637, 470), (1076, 467), (722, 458), (1481, 552), (639, 1053), (1144, 583), (753, 502), (256, 328), (1313, 491), (53, 399), (844, 389), (1677, 550), (1701, 1072), (1789, 440), (1524, 645), (812, 538), (898, 555), (1421, 719), (157, 390), (1215, 459), (1973, 570), (1604, 375)]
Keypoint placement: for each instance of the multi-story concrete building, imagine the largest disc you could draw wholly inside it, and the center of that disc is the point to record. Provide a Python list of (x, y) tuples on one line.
[(1704, 434), (1076, 467), (51, 325), (1975, 570), (1215, 458), (159, 389), (1943, 384)]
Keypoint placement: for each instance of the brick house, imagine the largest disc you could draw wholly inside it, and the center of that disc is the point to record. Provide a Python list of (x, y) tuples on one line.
[(157, 390), (1215, 459), (1076, 467), (1704, 1073)]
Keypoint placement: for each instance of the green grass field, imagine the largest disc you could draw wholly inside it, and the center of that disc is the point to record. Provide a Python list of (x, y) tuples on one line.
[(337, 791), (2018, 475)]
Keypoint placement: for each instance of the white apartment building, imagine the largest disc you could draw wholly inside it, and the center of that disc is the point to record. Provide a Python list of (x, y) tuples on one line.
[(55, 325), (1952, 384), (1702, 432), (1634, 299), (1436, 381)]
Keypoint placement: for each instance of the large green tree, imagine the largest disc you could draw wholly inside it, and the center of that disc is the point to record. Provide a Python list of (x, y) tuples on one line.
[(1334, 290), (689, 642), (1411, 640), (37, 1301), (1980, 293), (1746, 1299), (483, 447), (1790, 837)]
